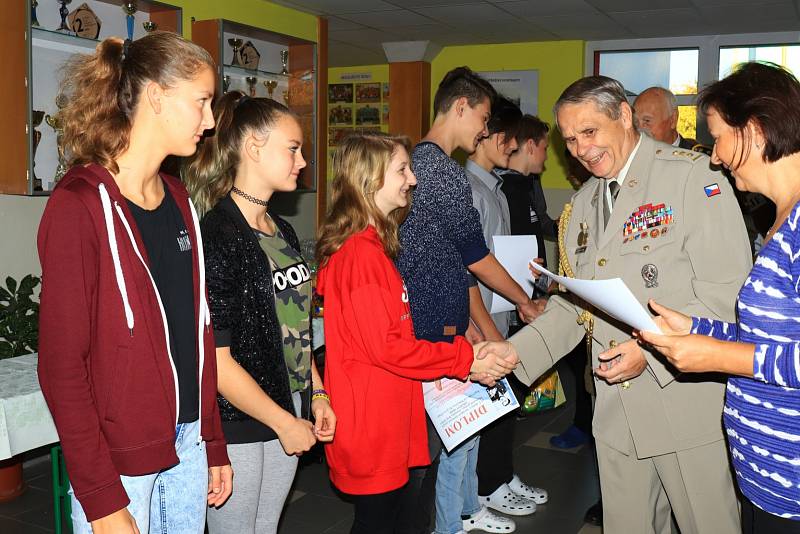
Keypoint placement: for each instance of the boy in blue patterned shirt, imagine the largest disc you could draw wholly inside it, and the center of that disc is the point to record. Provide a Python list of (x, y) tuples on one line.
[(441, 240)]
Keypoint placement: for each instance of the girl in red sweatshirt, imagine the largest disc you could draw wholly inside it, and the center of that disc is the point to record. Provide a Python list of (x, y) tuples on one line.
[(126, 353), (373, 362)]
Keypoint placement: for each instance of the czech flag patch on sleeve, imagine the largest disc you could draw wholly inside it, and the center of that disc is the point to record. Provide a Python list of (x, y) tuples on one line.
[(712, 190)]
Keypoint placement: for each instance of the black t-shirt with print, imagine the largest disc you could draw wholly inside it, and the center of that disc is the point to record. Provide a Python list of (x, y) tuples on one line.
[(170, 253)]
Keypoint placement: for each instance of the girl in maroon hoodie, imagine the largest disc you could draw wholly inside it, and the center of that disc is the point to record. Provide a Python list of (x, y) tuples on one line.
[(126, 354), (373, 362)]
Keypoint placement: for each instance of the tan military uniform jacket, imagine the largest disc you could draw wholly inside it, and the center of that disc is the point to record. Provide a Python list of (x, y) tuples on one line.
[(694, 261)]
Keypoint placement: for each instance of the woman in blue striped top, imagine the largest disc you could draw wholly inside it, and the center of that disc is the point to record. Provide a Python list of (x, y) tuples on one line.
[(754, 117)]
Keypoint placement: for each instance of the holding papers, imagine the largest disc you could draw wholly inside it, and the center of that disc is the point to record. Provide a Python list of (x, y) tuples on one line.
[(611, 296), (460, 409), (513, 253)]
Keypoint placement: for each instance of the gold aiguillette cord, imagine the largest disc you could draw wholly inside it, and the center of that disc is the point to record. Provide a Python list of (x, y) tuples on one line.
[(565, 269)]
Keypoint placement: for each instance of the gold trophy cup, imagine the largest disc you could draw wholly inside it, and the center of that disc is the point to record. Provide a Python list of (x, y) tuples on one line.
[(270, 85), (57, 124)]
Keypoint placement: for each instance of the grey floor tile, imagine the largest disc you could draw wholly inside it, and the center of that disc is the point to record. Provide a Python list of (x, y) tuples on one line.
[(316, 512), (315, 507), (12, 526), (40, 517), (32, 499), (342, 527)]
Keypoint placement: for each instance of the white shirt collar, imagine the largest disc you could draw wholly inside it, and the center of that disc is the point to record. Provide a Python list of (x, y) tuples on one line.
[(677, 141), (620, 179)]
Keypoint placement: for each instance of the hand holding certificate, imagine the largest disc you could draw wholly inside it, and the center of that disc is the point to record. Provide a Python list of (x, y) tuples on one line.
[(611, 296), (460, 409)]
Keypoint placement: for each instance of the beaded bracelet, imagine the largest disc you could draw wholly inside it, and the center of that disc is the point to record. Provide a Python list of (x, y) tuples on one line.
[(320, 394)]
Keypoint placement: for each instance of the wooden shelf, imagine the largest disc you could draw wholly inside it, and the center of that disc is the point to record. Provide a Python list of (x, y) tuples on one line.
[(301, 82)]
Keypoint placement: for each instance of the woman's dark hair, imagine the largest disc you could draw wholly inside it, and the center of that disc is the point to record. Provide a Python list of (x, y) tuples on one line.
[(764, 93), (531, 127), (210, 173), (103, 89), (461, 82)]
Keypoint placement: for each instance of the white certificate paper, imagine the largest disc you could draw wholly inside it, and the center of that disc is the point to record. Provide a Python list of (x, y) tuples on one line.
[(460, 409), (611, 296), (513, 252)]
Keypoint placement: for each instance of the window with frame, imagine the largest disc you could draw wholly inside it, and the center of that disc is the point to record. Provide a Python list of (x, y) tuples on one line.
[(676, 70)]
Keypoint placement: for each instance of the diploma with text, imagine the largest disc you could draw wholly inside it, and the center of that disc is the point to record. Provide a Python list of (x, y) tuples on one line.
[(460, 409), (612, 296)]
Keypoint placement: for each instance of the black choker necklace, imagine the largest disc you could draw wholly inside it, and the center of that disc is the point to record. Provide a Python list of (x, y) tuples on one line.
[(250, 198)]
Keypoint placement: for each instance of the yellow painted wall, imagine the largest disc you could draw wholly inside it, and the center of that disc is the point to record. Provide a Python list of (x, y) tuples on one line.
[(251, 12), (559, 63)]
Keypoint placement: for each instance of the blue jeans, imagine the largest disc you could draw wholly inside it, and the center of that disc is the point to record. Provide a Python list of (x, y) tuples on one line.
[(172, 501), (457, 487)]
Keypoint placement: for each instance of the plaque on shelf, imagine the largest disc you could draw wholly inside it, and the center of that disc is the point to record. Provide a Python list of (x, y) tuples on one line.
[(84, 23), (250, 56)]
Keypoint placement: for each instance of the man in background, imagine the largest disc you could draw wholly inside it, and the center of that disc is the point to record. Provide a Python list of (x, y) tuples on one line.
[(656, 114)]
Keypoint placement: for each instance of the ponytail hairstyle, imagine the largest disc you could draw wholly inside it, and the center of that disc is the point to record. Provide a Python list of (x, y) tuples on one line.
[(210, 173), (359, 168), (103, 89)]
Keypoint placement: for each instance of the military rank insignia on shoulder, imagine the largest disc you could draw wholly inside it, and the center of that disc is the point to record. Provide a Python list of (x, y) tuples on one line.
[(679, 153)]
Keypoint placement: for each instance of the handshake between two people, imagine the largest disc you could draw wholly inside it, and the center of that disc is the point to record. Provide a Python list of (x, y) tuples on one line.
[(493, 360)]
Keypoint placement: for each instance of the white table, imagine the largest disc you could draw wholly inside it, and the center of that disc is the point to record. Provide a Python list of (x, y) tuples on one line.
[(25, 421)]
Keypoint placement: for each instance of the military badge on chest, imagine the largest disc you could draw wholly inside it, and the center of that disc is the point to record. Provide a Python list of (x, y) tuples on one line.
[(583, 238), (650, 275), (648, 222)]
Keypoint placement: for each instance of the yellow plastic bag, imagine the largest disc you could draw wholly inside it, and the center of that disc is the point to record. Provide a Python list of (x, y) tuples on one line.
[(546, 393)]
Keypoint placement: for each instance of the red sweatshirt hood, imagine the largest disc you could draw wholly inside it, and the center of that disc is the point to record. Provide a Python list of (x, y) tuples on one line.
[(369, 234)]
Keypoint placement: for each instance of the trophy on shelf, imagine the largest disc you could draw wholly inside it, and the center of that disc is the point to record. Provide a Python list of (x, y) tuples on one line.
[(37, 116), (130, 9), (284, 62), (149, 26), (63, 11), (251, 83), (34, 20), (226, 83), (236, 43), (270, 85), (286, 98), (56, 123), (84, 22)]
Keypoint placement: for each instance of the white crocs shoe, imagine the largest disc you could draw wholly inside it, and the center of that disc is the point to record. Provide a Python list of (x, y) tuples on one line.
[(488, 522), (506, 501), (537, 495)]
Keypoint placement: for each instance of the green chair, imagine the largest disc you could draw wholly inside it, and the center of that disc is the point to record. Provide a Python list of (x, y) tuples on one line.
[(61, 501)]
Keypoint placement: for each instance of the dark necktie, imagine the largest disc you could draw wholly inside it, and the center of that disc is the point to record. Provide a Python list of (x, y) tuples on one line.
[(613, 186)]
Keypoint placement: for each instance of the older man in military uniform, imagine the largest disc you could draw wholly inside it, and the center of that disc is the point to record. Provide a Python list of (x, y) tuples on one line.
[(657, 217)]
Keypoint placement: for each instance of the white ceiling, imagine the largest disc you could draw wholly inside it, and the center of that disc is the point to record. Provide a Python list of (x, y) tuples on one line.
[(358, 27)]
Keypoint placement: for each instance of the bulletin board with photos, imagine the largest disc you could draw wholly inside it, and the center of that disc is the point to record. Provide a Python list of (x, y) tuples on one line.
[(356, 106)]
